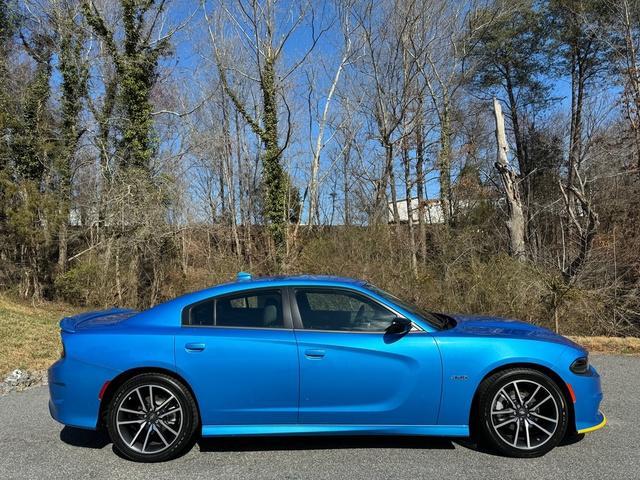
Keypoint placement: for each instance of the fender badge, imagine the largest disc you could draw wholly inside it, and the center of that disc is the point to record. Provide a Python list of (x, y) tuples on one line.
[(459, 377)]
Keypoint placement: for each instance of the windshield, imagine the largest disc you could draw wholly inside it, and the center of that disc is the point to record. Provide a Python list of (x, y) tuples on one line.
[(436, 320)]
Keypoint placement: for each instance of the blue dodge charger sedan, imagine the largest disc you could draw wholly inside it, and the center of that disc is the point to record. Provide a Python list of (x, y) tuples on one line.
[(315, 355)]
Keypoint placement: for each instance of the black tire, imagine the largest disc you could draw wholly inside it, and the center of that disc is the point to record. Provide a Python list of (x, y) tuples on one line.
[(155, 441), (525, 433)]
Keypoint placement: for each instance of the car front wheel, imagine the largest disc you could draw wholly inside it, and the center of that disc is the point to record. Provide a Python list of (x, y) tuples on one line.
[(152, 418), (523, 413)]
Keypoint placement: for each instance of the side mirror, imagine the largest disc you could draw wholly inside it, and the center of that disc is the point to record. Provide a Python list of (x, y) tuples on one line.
[(399, 326)]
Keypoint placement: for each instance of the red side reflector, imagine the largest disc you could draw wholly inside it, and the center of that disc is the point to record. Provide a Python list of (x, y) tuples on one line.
[(571, 392), (104, 389)]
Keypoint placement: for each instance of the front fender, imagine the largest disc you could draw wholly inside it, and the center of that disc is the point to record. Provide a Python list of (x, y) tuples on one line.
[(467, 361)]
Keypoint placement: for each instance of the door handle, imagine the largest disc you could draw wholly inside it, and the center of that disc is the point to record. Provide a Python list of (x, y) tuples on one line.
[(315, 354), (194, 347)]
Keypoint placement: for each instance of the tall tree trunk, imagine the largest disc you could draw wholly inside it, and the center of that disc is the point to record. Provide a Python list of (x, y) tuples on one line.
[(392, 187), (345, 183), (381, 207), (103, 139), (74, 88), (633, 77), (62, 245), (314, 214), (518, 133), (523, 162), (245, 196), (407, 183), (444, 165), (584, 225), (515, 222), (227, 173), (575, 134), (275, 201), (420, 183)]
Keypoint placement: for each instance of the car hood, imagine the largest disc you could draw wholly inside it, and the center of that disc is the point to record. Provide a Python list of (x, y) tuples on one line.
[(101, 318), (506, 328)]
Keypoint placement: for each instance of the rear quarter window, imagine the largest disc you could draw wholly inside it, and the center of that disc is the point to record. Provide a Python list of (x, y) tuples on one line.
[(255, 309)]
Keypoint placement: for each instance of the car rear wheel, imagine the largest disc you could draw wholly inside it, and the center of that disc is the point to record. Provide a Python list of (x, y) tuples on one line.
[(523, 413), (152, 418)]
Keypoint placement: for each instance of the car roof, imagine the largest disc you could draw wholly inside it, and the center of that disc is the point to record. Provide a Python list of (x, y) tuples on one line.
[(246, 282), (302, 279)]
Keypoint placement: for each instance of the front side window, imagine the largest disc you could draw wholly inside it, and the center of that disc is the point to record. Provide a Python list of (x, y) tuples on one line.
[(341, 310), (437, 320), (258, 309)]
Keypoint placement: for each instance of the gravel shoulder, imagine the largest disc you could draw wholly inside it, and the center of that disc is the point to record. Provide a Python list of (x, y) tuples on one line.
[(32, 445)]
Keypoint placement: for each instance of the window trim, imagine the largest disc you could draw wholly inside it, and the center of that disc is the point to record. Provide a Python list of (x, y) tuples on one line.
[(287, 323), (299, 325)]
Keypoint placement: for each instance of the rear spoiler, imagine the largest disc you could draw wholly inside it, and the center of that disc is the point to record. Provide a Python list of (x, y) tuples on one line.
[(73, 323)]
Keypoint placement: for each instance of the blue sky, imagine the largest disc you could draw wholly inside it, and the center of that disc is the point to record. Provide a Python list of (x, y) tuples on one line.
[(188, 67)]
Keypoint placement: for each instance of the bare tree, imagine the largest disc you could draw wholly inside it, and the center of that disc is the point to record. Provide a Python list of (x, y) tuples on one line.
[(345, 22), (387, 32), (264, 31), (446, 51), (515, 221), (584, 51), (626, 43)]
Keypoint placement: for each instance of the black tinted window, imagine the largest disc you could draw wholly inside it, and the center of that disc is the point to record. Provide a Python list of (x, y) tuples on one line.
[(259, 309), (202, 314), (341, 310)]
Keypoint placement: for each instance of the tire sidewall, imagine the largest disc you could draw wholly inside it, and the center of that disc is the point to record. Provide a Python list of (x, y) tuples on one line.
[(494, 384), (188, 427)]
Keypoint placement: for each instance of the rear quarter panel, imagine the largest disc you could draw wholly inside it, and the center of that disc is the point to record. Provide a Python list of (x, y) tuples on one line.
[(99, 355)]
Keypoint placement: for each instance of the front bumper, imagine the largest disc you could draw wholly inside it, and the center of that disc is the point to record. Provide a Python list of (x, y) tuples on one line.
[(588, 396), (595, 427)]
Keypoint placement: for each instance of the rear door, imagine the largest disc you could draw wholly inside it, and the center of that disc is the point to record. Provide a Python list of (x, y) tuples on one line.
[(352, 372), (239, 354)]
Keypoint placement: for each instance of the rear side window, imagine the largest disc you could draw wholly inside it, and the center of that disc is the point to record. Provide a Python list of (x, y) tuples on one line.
[(202, 313), (257, 309)]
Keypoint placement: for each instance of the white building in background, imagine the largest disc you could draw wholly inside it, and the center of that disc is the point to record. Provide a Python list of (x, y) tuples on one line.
[(432, 211), (75, 217)]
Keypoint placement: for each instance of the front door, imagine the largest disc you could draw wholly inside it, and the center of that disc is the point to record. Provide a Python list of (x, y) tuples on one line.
[(352, 372), (238, 353)]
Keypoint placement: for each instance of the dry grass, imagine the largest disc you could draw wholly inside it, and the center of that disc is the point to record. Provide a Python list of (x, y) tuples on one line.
[(29, 334), (621, 345)]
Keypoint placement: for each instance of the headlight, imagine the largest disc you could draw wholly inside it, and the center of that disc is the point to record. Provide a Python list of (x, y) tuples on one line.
[(580, 366)]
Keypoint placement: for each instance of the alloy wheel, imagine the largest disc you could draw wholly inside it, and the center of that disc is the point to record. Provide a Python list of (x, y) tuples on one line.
[(524, 414), (149, 419)]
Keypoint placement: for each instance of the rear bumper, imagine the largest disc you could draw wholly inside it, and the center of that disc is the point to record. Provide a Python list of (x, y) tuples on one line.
[(73, 392)]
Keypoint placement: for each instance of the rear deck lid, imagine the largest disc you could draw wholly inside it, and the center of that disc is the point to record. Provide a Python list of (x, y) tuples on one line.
[(100, 318)]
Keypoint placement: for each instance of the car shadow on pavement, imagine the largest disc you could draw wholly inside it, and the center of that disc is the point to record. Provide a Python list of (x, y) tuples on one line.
[(99, 439), (471, 444), (78, 437), (266, 443)]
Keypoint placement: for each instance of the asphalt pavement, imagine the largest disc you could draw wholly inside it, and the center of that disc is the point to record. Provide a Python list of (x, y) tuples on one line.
[(34, 446)]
